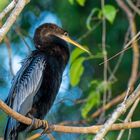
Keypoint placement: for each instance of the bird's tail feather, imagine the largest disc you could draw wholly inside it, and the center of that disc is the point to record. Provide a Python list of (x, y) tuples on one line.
[(10, 133)]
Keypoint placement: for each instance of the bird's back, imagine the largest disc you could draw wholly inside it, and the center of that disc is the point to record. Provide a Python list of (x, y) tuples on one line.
[(24, 87), (34, 89)]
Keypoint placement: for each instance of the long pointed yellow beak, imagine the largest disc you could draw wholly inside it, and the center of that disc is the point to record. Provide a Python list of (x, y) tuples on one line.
[(68, 39)]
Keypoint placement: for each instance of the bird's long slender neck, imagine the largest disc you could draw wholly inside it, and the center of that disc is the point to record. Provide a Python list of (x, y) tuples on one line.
[(56, 48), (60, 52)]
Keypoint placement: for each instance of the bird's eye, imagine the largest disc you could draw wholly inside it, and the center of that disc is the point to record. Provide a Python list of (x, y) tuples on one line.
[(65, 34)]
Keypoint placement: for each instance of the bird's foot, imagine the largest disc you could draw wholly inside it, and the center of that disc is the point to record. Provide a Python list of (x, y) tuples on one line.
[(39, 124), (46, 127)]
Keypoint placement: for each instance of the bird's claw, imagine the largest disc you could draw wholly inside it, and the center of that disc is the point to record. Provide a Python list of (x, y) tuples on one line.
[(46, 127), (37, 124)]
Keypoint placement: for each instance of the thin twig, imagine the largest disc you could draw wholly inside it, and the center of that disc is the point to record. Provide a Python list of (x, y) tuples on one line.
[(37, 135), (7, 42), (129, 134), (127, 46), (104, 53), (127, 94), (121, 56), (17, 30), (89, 31)]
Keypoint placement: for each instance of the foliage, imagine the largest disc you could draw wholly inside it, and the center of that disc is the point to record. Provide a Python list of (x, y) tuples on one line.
[(109, 12), (80, 2)]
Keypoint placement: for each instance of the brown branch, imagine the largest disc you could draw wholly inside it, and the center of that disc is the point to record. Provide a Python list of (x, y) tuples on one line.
[(121, 109), (71, 129), (94, 129), (14, 114), (135, 47), (37, 135), (79, 122), (34, 137), (67, 129), (12, 18)]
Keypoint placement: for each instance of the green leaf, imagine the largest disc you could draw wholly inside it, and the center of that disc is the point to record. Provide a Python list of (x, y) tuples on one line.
[(93, 100), (71, 2), (76, 71), (81, 2), (109, 12), (75, 54)]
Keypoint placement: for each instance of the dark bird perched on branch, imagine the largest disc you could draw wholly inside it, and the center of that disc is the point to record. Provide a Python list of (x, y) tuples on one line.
[(36, 84)]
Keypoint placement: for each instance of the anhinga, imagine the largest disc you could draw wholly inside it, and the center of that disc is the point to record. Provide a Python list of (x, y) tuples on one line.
[(36, 84)]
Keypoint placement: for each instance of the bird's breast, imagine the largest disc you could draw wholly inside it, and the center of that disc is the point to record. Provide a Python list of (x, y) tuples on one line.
[(46, 95)]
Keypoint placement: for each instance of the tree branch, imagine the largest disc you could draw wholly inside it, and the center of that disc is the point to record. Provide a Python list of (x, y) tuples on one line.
[(12, 18), (7, 9), (129, 116), (135, 8), (85, 130), (67, 129), (121, 109)]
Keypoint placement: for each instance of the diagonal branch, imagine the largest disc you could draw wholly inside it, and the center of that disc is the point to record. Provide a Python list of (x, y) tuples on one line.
[(129, 116), (12, 18), (121, 109), (135, 8), (7, 9), (85, 130)]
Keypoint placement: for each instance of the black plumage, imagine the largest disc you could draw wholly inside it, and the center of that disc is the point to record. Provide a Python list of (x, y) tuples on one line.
[(36, 84)]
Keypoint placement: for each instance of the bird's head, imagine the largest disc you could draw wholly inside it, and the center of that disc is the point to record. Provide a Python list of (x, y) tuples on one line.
[(48, 34)]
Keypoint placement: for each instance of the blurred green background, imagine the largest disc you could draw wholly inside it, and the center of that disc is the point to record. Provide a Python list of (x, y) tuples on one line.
[(83, 89)]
